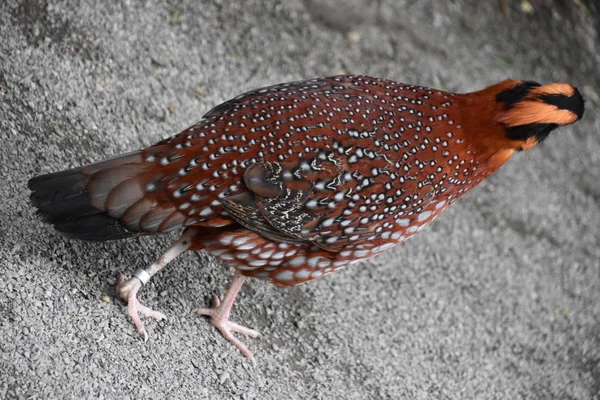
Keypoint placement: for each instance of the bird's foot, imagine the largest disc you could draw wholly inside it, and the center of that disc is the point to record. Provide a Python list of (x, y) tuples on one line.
[(127, 290), (219, 318)]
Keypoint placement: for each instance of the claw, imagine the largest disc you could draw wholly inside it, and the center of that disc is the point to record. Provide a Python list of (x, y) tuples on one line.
[(127, 290), (226, 327), (219, 316)]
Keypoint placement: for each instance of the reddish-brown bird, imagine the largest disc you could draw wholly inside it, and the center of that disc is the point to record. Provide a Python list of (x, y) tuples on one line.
[(291, 182)]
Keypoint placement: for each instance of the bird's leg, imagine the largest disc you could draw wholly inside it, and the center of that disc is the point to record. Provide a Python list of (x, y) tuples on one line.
[(127, 289), (219, 315)]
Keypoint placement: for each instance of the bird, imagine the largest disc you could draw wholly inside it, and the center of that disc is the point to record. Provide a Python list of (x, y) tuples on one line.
[(291, 182)]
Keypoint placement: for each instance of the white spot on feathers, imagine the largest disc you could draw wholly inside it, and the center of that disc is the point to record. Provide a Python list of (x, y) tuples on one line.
[(285, 276)]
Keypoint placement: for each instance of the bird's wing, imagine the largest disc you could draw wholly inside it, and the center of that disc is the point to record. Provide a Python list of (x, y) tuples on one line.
[(302, 156), (181, 181), (278, 192), (314, 199)]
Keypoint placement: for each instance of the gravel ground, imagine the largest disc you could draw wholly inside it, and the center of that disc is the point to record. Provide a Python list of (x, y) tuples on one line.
[(499, 298)]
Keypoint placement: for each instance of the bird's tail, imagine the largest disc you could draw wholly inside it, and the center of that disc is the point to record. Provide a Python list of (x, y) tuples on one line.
[(61, 199)]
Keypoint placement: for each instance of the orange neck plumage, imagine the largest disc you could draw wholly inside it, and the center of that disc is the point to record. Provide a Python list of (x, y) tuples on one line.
[(479, 111)]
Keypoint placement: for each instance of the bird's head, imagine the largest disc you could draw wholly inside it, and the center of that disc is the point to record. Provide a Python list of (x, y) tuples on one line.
[(517, 115), (529, 111)]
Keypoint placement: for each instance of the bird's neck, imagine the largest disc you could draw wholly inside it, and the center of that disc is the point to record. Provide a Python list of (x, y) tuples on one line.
[(485, 136)]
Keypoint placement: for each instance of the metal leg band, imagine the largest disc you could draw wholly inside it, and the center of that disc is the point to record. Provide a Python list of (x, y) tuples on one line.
[(142, 275)]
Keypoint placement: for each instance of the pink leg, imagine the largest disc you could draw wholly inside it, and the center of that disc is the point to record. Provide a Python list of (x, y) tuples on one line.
[(128, 289), (219, 315)]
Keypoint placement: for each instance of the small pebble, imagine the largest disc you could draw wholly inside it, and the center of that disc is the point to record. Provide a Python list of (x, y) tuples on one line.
[(353, 37), (223, 377), (527, 7)]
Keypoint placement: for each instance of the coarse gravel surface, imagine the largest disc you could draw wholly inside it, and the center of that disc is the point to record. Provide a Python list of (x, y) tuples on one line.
[(498, 299)]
